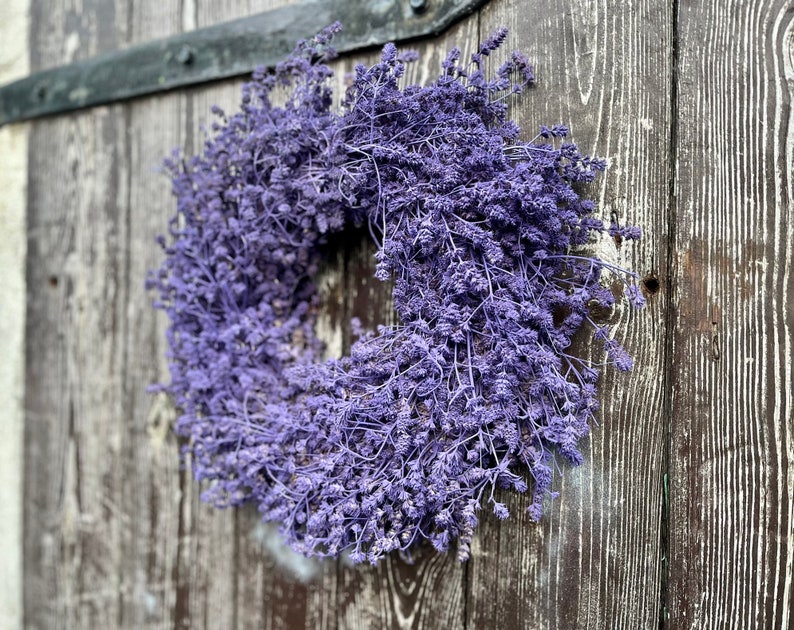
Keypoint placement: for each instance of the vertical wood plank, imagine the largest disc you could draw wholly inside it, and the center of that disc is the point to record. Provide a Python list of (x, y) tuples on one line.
[(164, 541), (227, 569), (181, 557), (273, 587), (595, 559), (75, 320), (732, 462), (74, 419), (97, 560)]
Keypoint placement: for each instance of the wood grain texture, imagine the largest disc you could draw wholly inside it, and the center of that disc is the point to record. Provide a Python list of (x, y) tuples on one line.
[(182, 577), (691, 104), (732, 464), (75, 372), (118, 538), (595, 560), (77, 294)]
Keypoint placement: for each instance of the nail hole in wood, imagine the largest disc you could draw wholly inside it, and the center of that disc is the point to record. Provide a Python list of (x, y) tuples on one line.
[(53, 281), (650, 285)]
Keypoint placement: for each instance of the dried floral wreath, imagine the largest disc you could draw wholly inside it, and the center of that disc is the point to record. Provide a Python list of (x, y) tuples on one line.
[(407, 437)]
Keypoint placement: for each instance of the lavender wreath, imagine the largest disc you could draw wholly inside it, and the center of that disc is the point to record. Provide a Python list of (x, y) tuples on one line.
[(474, 389)]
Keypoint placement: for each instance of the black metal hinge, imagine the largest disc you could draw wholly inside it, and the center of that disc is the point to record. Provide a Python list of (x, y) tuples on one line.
[(224, 50)]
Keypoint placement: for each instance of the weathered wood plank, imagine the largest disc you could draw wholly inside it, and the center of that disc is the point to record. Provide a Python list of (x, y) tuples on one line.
[(63, 32), (74, 418), (102, 548), (164, 539), (77, 292), (732, 462), (181, 552), (114, 533), (595, 559)]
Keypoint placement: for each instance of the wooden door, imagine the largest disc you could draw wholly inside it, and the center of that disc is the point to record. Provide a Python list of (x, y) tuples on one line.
[(681, 515)]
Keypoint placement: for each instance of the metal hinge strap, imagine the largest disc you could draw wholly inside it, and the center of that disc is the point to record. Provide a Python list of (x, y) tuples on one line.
[(221, 51)]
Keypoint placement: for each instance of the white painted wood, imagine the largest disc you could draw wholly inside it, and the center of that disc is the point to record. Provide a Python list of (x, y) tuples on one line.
[(14, 29)]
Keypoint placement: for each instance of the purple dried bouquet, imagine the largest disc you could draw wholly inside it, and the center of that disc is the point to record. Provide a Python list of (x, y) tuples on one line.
[(482, 233)]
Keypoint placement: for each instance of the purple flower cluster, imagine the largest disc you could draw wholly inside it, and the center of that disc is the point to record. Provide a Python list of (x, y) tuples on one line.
[(482, 233)]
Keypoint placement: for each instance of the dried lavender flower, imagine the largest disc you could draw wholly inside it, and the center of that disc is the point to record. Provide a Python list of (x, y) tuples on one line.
[(475, 388)]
